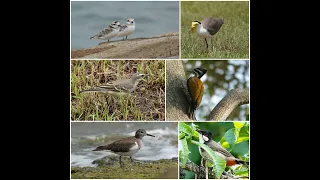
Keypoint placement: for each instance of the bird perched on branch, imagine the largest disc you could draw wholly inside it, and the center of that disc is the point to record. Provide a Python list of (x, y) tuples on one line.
[(219, 150), (196, 89), (208, 27), (119, 87)]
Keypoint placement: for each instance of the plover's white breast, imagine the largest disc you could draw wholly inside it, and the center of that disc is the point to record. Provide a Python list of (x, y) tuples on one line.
[(126, 30), (202, 32), (134, 149)]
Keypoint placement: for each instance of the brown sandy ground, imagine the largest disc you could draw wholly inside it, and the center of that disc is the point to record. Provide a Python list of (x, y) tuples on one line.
[(163, 46)]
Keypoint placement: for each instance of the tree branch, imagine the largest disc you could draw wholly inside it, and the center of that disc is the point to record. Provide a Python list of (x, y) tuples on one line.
[(234, 98), (200, 171)]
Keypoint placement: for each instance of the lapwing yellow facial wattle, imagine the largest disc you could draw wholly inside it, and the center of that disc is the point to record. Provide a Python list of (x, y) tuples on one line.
[(208, 27), (126, 146), (218, 149)]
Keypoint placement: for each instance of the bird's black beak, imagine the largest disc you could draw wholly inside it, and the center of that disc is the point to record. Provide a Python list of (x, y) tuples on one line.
[(150, 135)]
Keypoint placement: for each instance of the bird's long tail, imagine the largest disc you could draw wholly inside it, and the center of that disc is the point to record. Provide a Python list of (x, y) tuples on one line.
[(98, 89), (191, 111)]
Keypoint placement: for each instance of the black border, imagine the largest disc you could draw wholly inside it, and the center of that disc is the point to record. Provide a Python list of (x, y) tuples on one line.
[(52, 134)]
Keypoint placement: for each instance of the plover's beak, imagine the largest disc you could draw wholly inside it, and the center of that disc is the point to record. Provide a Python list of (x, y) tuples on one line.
[(150, 135)]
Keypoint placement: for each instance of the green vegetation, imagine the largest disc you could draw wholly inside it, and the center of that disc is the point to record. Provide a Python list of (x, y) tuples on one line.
[(146, 103), (108, 168), (232, 40), (233, 136)]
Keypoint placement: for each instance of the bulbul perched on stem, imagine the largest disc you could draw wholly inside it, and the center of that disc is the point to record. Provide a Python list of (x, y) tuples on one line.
[(219, 150)]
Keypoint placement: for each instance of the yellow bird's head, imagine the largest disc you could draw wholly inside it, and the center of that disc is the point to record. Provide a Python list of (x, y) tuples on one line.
[(194, 25)]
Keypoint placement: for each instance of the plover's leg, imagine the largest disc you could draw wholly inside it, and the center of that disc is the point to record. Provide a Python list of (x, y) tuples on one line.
[(212, 43), (120, 161), (126, 37), (205, 39)]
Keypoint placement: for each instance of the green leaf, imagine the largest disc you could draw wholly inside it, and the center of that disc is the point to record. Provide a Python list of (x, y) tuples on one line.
[(185, 128), (241, 139), (247, 117), (241, 172), (184, 153), (230, 136), (182, 135), (219, 164), (238, 125)]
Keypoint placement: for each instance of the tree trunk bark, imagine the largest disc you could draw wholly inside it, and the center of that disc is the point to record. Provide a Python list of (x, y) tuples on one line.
[(176, 87)]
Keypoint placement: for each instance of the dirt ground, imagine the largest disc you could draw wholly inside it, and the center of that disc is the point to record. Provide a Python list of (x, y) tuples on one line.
[(163, 46)]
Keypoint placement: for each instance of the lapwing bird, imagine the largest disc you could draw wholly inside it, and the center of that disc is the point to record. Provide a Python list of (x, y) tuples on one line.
[(110, 32), (119, 87), (127, 29), (126, 146), (219, 150), (208, 27)]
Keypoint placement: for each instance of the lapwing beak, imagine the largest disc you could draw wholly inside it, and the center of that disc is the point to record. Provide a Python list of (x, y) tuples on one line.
[(150, 135)]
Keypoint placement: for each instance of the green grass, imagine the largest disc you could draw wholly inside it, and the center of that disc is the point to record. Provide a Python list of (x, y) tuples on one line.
[(146, 103), (148, 170), (231, 41)]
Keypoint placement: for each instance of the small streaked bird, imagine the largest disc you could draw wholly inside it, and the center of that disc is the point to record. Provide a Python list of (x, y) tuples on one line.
[(196, 90), (119, 87), (126, 146), (127, 29), (208, 27), (110, 32), (117, 23), (219, 150)]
